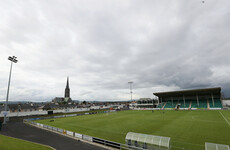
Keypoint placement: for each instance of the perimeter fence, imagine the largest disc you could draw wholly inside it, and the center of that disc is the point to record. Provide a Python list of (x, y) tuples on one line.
[(71, 115), (78, 136)]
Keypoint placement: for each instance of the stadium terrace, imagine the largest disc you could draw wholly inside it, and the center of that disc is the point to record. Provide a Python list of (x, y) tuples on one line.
[(208, 98)]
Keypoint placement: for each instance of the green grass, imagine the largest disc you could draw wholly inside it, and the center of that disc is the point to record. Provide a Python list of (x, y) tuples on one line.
[(187, 129), (9, 143)]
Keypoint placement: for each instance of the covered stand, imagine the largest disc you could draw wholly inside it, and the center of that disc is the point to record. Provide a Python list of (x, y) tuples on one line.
[(147, 141)]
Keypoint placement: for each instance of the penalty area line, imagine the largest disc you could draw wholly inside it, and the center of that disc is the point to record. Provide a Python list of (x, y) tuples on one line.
[(224, 118)]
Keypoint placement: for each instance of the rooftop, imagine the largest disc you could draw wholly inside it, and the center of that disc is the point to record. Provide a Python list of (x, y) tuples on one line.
[(192, 92)]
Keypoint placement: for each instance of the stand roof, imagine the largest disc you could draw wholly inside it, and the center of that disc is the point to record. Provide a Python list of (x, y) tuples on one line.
[(207, 91)]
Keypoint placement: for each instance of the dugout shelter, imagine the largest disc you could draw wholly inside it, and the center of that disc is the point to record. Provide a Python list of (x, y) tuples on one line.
[(214, 146), (146, 141)]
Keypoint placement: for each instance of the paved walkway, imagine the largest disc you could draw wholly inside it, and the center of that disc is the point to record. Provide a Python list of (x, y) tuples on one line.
[(30, 133)]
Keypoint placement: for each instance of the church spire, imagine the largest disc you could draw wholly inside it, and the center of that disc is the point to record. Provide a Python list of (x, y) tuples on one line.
[(67, 90), (67, 84)]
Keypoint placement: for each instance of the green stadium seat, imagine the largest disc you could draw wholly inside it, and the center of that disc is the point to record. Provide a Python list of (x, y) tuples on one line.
[(160, 105), (217, 103), (168, 104), (194, 104), (210, 103), (202, 103), (184, 104), (187, 103)]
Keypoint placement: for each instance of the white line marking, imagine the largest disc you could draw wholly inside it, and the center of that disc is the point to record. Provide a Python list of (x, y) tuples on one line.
[(224, 118)]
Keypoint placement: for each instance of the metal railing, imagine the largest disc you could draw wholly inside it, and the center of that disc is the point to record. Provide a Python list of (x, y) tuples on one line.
[(82, 136)]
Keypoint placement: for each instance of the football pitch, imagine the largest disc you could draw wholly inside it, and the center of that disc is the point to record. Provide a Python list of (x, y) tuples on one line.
[(187, 129)]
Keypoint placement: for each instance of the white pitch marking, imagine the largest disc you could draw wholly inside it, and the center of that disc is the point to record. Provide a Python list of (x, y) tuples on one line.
[(224, 118)]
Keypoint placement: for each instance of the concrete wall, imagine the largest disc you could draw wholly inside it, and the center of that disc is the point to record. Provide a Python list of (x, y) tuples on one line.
[(30, 113)]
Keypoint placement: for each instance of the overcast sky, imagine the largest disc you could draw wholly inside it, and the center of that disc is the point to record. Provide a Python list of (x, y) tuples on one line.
[(160, 45)]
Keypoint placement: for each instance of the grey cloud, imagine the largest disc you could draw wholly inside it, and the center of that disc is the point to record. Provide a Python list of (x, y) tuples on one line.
[(167, 45)]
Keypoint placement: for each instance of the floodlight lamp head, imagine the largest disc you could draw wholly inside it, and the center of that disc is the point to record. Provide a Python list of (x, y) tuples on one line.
[(13, 59)]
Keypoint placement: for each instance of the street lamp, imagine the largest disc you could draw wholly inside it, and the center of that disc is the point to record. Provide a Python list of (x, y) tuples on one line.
[(12, 59), (130, 83)]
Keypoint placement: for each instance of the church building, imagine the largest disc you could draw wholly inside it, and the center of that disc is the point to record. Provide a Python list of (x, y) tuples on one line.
[(66, 97)]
